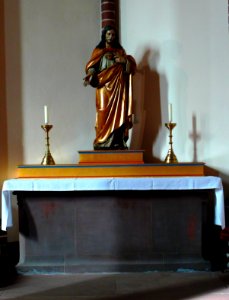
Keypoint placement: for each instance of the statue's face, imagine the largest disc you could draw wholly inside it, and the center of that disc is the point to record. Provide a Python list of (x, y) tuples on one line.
[(110, 36)]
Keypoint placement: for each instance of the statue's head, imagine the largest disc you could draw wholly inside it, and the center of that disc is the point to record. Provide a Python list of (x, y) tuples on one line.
[(109, 30)]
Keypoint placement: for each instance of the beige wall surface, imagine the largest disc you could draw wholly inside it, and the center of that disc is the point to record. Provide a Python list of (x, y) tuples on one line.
[(181, 48), (48, 43)]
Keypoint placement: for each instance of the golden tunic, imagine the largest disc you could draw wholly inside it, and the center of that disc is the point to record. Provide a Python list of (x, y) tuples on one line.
[(113, 95)]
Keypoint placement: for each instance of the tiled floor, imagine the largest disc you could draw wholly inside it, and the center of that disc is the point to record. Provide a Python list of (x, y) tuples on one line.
[(135, 286)]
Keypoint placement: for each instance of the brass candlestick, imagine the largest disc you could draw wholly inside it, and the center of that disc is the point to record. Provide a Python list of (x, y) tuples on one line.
[(47, 159), (171, 157)]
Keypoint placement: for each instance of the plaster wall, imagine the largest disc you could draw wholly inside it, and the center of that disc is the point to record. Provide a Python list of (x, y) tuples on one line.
[(184, 45)]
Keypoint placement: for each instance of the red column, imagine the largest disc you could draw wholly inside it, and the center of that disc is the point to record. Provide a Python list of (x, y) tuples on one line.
[(109, 13)]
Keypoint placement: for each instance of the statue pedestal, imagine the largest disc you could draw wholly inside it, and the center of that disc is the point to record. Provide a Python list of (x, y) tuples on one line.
[(111, 157)]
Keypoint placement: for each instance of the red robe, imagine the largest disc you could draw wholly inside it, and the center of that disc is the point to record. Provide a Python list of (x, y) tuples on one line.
[(113, 95)]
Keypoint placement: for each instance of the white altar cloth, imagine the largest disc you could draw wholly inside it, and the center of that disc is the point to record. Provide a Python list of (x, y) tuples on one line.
[(100, 184)]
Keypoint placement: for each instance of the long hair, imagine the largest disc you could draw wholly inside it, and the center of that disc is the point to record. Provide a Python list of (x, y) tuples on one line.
[(102, 43)]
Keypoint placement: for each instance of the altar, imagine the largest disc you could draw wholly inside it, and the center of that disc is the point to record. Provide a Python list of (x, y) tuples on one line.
[(115, 224)]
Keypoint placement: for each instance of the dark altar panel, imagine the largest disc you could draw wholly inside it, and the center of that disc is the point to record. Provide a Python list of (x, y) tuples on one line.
[(112, 231)]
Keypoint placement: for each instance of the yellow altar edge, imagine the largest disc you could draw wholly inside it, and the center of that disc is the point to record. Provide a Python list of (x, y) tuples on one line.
[(142, 170)]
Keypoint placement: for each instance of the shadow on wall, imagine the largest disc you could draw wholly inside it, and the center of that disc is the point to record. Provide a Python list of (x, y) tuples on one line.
[(147, 101), (13, 84)]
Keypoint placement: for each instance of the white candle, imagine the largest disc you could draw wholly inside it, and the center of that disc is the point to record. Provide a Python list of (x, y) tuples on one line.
[(170, 113), (46, 114)]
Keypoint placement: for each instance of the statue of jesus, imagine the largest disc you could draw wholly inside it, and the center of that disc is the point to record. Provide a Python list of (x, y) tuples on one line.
[(110, 71)]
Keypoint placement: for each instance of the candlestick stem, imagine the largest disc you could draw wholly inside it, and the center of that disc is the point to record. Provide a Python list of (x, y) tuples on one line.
[(171, 157), (47, 159)]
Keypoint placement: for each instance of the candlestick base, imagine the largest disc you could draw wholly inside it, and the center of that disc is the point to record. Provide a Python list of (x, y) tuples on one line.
[(48, 159), (171, 157)]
